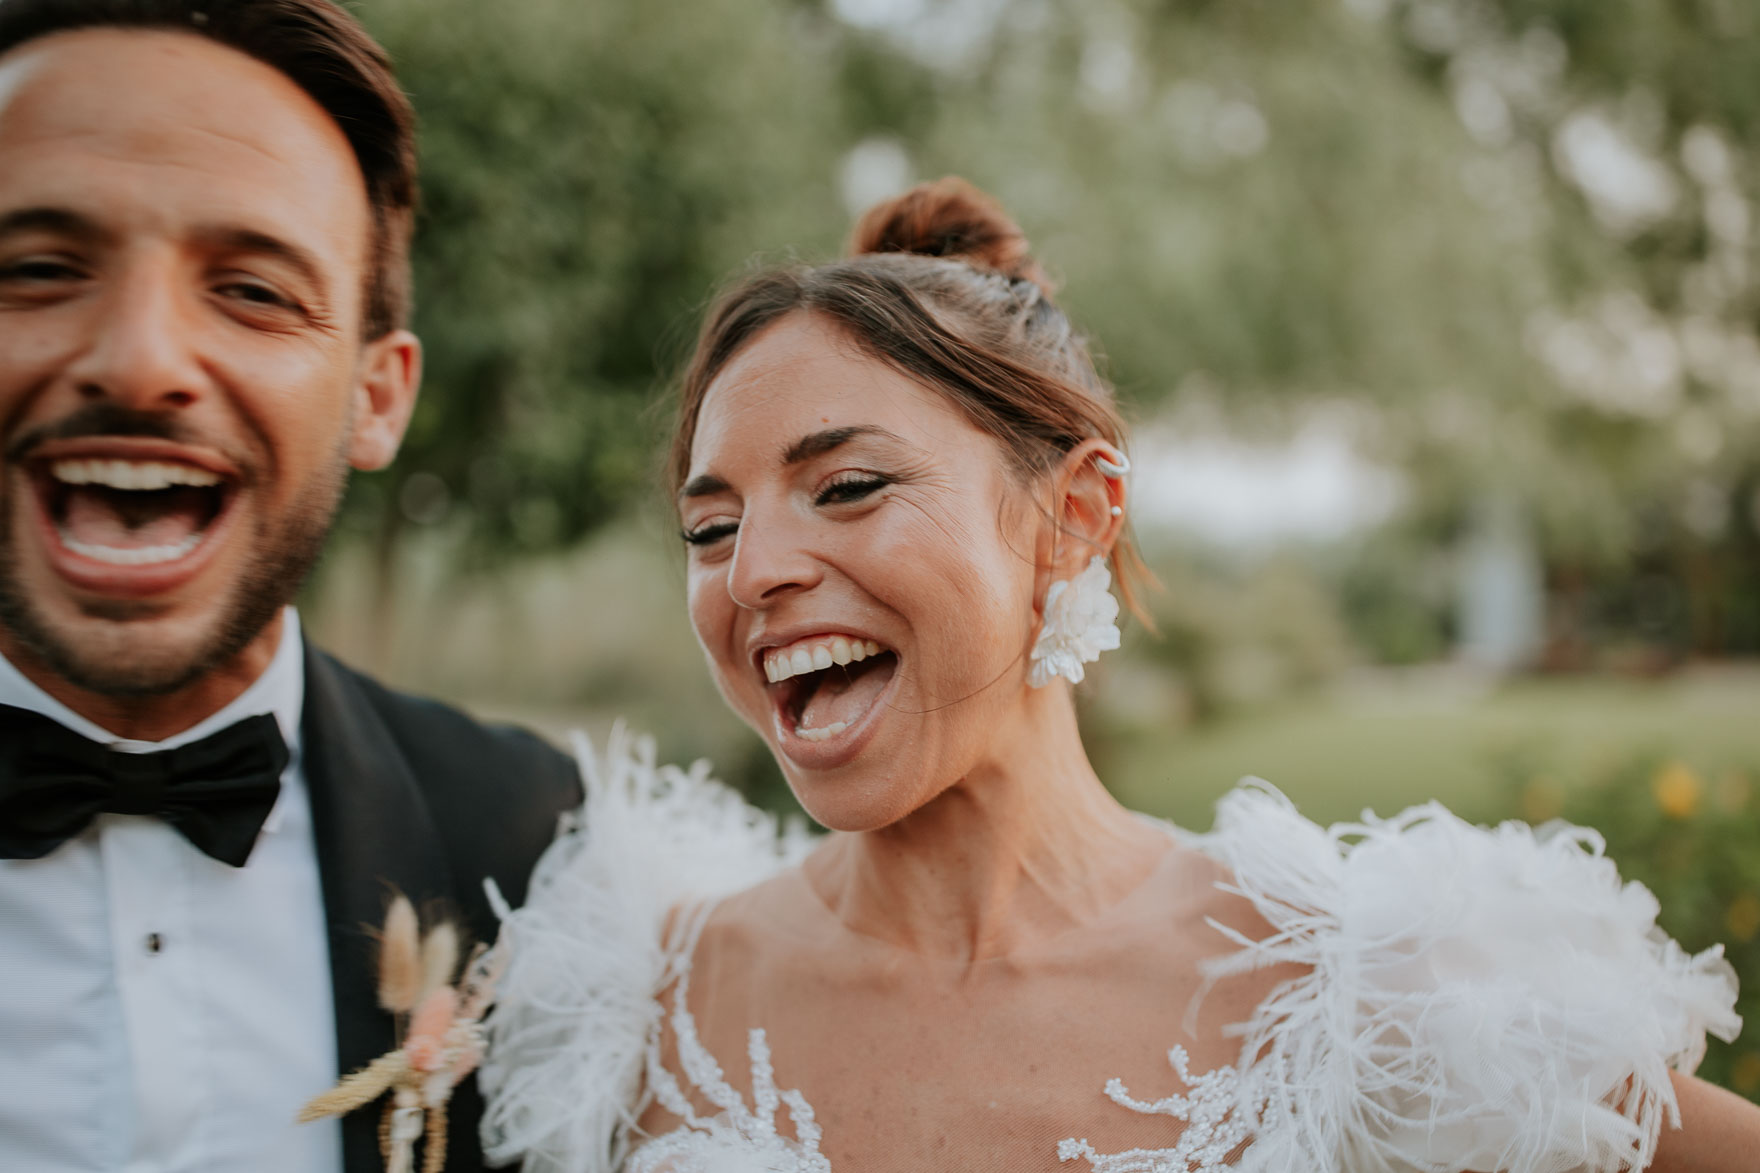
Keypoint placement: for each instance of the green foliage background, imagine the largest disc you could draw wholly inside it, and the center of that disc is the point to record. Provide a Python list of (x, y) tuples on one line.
[(1261, 208), (592, 171)]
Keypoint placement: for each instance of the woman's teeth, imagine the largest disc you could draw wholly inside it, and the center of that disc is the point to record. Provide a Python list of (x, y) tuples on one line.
[(831, 730), (816, 655)]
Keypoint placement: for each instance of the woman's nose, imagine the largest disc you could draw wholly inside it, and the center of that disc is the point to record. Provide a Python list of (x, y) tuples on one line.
[(771, 558)]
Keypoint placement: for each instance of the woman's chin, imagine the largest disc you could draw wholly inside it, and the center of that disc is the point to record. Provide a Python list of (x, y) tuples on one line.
[(851, 807), (882, 787), (845, 797)]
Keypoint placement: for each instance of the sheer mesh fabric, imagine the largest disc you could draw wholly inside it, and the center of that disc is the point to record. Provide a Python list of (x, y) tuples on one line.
[(749, 1064)]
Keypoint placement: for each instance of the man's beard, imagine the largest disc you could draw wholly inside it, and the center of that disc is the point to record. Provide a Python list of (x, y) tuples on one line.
[(281, 559)]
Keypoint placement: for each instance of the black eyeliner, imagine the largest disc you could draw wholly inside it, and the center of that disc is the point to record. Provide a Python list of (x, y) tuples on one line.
[(866, 485), (704, 535)]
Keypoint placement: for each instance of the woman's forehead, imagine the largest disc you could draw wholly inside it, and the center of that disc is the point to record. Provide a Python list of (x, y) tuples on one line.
[(803, 375)]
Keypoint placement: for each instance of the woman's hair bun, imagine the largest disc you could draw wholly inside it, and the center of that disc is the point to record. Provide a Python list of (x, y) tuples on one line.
[(949, 218)]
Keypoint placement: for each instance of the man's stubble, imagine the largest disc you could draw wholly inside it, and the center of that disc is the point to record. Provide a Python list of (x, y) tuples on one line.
[(282, 557)]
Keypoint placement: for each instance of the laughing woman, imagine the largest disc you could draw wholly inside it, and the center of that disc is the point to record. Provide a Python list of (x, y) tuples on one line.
[(902, 482)]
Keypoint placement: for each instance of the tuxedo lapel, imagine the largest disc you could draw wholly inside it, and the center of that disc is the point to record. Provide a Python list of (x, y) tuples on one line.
[(375, 834)]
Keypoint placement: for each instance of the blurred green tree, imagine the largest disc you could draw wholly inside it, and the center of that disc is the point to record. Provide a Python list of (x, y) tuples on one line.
[(1509, 239), (1266, 202), (1640, 122), (590, 173)]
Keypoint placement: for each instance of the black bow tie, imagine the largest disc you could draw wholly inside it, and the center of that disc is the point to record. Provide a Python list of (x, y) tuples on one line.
[(217, 791)]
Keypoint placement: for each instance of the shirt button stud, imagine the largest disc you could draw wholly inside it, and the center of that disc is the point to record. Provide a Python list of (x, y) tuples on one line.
[(155, 944)]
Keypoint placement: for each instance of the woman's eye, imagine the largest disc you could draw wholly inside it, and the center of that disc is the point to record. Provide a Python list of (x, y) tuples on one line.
[(708, 535), (850, 489)]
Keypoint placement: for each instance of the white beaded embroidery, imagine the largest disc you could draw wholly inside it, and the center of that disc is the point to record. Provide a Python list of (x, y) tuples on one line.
[(738, 1139), (1215, 1124)]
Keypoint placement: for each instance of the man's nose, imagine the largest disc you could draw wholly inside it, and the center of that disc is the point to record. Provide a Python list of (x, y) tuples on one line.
[(140, 350), (771, 558)]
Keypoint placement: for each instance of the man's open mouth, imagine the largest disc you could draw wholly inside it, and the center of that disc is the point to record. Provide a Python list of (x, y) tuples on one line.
[(825, 684), (131, 512)]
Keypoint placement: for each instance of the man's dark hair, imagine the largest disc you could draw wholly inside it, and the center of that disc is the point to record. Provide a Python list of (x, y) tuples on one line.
[(324, 51)]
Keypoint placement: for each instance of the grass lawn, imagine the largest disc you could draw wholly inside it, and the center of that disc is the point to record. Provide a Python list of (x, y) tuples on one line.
[(1391, 740)]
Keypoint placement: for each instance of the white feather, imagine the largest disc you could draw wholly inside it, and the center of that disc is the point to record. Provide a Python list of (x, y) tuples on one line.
[(569, 1031), (1475, 998)]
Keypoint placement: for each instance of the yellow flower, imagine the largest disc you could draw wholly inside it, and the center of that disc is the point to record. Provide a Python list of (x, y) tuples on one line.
[(1746, 1076), (1678, 790), (1743, 917), (1541, 800)]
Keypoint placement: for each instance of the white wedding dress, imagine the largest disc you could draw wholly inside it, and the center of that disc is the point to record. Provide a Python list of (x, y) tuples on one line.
[(1474, 998)]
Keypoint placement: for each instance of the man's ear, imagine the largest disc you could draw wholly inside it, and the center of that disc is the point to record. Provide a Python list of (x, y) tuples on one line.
[(1087, 508), (385, 395)]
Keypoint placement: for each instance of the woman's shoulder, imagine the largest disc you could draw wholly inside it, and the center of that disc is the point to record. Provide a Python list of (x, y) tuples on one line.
[(1481, 992), (613, 909)]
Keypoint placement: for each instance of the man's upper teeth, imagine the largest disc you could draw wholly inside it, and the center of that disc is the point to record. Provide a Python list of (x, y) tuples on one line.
[(137, 475), (816, 654)]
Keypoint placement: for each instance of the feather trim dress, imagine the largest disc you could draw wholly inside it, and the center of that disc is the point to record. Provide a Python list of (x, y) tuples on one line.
[(1471, 998)]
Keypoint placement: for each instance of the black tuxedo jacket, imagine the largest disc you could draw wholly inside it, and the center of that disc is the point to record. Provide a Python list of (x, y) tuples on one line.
[(413, 796)]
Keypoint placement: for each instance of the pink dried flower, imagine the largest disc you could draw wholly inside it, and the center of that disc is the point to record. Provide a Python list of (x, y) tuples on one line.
[(426, 1045)]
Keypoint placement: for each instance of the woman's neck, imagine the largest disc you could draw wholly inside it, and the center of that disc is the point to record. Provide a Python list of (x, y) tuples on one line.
[(1024, 847)]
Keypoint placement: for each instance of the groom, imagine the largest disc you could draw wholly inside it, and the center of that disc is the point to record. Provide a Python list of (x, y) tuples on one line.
[(205, 209)]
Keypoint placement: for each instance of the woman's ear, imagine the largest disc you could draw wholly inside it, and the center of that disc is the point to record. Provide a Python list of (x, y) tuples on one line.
[(1087, 506)]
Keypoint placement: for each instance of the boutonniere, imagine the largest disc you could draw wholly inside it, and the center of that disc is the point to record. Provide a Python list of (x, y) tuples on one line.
[(439, 1026)]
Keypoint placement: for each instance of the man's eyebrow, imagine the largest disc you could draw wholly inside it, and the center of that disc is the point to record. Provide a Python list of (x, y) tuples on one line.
[(66, 222), (819, 443), (249, 240), (706, 485), (60, 221)]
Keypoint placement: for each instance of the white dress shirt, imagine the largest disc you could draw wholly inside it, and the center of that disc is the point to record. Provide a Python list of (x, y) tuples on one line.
[(161, 1011)]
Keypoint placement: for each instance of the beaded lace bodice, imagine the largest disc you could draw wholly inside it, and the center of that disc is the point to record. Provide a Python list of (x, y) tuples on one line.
[(755, 1129), (1214, 1111), (1472, 998)]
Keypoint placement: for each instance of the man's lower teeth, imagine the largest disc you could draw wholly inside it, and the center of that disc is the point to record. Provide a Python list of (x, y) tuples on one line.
[(831, 730), (135, 556)]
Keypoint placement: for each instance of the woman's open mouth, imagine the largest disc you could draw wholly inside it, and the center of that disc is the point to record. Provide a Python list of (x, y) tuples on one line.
[(825, 685), (129, 522)]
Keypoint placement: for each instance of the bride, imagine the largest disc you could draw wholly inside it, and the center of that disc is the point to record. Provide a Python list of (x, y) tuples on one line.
[(901, 481)]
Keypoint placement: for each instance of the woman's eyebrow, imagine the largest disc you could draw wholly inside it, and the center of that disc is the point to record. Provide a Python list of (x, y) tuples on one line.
[(803, 449), (819, 443), (706, 485)]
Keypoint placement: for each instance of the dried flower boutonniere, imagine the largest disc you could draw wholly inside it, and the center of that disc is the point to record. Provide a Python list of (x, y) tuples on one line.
[(441, 1035)]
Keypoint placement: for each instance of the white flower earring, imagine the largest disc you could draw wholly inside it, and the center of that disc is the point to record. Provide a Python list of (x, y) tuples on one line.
[(1078, 626)]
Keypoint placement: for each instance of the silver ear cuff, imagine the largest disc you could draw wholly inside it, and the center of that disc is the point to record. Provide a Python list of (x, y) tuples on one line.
[(1110, 470)]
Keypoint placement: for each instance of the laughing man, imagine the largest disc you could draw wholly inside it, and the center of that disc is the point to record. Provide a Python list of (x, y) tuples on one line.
[(205, 209)]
